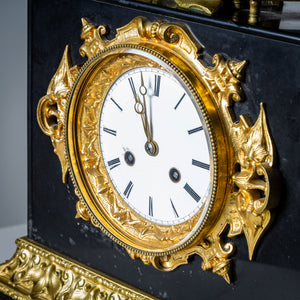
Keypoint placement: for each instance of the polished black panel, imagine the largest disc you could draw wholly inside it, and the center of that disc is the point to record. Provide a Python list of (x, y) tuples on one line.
[(272, 77), (4, 297)]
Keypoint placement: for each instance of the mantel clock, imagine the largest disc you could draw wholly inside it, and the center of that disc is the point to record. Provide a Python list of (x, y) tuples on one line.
[(158, 160)]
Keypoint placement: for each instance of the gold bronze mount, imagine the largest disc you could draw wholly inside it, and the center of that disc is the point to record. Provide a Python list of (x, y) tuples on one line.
[(207, 7), (35, 272), (210, 7), (243, 199)]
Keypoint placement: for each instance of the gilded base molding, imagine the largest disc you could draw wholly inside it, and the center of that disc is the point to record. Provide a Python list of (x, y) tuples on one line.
[(36, 272)]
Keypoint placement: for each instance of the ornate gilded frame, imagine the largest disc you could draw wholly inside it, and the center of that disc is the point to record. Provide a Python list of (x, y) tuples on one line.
[(105, 206), (244, 194)]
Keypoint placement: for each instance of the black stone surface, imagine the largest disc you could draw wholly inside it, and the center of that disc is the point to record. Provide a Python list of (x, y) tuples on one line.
[(4, 297), (272, 77)]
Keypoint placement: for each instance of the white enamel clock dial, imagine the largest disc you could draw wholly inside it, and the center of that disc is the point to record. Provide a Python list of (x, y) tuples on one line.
[(155, 146)]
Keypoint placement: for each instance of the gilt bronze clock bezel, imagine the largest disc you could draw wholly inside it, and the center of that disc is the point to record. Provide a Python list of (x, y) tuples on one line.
[(243, 152), (103, 203)]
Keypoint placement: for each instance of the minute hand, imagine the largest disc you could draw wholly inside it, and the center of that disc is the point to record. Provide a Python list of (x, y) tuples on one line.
[(148, 129), (139, 107), (151, 147)]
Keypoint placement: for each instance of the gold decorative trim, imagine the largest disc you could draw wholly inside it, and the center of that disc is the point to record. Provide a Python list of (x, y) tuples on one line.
[(210, 7), (36, 272), (253, 156), (51, 107), (205, 6), (244, 152)]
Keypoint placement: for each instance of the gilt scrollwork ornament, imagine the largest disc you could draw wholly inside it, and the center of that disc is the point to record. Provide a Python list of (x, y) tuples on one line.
[(53, 105), (35, 272), (242, 199)]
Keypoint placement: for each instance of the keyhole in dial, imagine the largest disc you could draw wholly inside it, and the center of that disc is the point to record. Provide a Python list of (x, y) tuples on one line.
[(175, 175), (129, 158)]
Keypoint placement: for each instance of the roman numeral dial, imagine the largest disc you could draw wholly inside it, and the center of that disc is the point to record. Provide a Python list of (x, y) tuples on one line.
[(147, 104)]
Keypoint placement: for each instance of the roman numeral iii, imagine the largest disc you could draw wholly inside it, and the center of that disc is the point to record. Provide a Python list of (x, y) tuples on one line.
[(200, 164), (195, 130)]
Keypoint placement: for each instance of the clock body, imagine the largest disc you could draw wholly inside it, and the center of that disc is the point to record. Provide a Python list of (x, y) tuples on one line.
[(52, 204)]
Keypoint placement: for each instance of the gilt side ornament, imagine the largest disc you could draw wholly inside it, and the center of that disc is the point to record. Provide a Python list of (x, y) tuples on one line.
[(158, 161)]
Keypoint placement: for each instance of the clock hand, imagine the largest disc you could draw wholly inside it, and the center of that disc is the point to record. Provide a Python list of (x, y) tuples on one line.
[(143, 92), (151, 146), (140, 109)]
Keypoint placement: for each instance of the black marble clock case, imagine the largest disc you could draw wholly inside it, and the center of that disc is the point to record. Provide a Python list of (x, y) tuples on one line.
[(272, 77)]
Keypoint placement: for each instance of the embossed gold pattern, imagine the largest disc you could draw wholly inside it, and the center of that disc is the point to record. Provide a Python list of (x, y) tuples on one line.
[(35, 272), (243, 154)]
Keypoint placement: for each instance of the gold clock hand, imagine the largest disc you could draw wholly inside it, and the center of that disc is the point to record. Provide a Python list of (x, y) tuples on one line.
[(151, 146), (143, 92), (139, 107)]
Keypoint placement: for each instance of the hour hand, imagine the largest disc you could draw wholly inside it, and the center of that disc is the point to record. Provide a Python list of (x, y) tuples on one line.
[(139, 107)]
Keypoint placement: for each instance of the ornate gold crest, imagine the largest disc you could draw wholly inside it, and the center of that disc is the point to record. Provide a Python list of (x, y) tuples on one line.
[(244, 154)]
